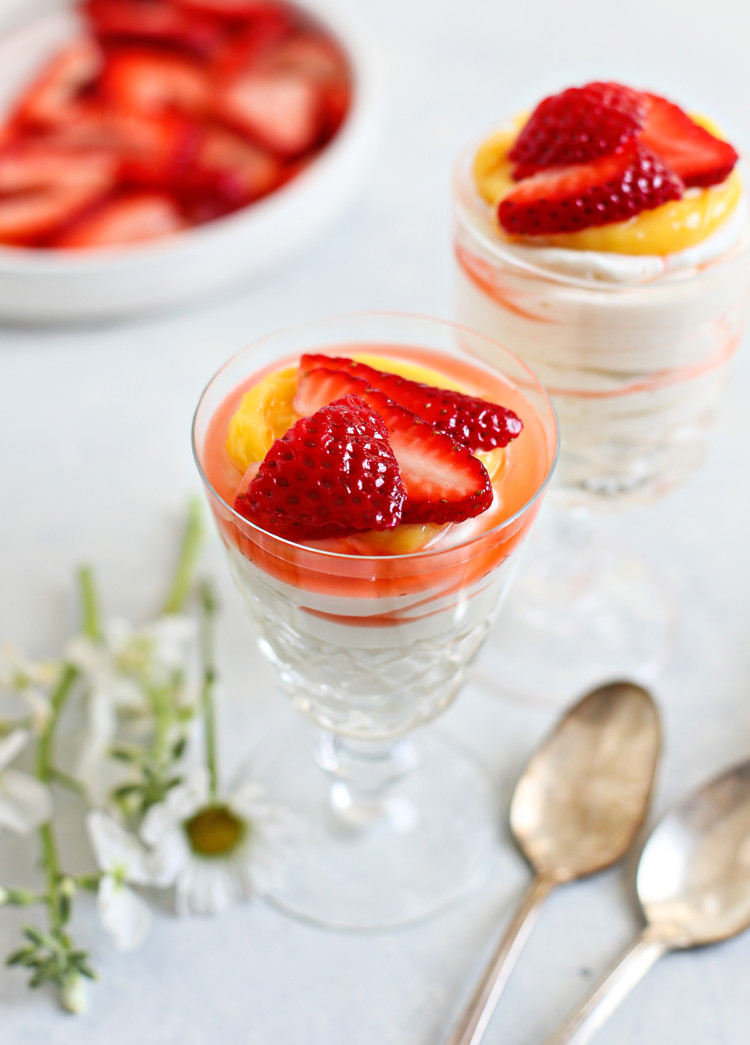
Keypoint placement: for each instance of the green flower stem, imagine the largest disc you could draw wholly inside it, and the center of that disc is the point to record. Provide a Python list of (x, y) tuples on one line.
[(183, 576), (208, 612), (45, 773), (162, 709), (91, 624)]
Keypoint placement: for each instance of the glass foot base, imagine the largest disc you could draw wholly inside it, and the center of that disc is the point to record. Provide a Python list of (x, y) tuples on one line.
[(431, 840), (583, 610)]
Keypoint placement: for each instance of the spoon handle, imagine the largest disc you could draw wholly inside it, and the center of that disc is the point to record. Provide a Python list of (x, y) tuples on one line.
[(476, 1016), (583, 1022)]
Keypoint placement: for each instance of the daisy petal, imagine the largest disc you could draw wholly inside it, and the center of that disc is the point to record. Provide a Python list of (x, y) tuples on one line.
[(116, 850), (248, 799), (123, 913), (25, 803), (204, 888), (180, 804), (11, 745)]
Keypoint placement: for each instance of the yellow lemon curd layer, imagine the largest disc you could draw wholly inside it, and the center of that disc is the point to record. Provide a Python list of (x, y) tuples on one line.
[(266, 413), (672, 227)]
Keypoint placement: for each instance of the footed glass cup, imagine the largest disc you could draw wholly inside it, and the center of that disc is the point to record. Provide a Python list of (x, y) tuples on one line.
[(369, 648), (636, 372)]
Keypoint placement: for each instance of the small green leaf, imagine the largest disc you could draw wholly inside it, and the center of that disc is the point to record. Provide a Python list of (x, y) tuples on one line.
[(124, 754), (21, 956), (36, 936)]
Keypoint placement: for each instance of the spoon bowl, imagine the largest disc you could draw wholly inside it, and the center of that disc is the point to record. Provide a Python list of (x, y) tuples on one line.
[(584, 794), (694, 873)]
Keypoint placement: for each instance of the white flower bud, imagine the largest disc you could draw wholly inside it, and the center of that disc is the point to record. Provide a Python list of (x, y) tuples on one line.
[(74, 994)]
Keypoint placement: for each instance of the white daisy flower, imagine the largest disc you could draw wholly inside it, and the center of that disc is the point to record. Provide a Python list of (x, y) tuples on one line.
[(124, 861), (25, 803), (218, 853)]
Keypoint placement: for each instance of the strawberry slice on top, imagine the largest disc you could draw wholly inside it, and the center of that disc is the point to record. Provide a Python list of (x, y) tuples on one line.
[(693, 153), (444, 481), (331, 475), (608, 189), (474, 422), (577, 125)]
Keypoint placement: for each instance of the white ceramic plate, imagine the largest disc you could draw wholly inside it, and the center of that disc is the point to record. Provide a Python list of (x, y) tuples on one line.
[(44, 286)]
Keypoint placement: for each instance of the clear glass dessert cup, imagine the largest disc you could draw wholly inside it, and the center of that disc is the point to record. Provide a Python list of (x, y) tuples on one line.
[(636, 372), (370, 647)]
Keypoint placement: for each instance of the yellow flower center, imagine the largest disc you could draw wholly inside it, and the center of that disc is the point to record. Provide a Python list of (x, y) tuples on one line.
[(215, 831)]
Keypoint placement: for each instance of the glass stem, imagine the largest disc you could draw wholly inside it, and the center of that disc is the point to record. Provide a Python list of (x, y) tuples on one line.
[(364, 774)]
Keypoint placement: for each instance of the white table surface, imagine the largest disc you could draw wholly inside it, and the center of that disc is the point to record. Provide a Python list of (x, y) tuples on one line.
[(96, 466)]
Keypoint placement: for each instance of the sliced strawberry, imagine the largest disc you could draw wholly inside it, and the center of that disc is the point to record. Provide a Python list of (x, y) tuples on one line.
[(154, 21), (151, 81), (51, 97), (576, 126), (247, 478), (692, 152), (444, 481), (331, 475), (476, 423), (161, 151), (612, 188), (310, 54), (229, 8), (320, 60), (337, 98), (126, 219), (43, 188), (228, 172), (256, 39), (282, 111), (150, 150)]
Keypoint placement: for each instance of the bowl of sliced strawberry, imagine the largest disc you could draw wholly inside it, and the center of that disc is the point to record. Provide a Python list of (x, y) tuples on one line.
[(155, 150)]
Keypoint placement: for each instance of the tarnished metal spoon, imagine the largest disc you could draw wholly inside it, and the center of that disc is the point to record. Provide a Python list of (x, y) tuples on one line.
[(693, 885), (576, 810)]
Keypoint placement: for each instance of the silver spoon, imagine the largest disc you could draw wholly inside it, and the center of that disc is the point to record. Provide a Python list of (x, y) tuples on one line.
[(693, 885), (575, 810)]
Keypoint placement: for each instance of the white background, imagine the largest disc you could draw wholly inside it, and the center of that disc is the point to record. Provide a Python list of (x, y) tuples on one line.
[(96, 467)]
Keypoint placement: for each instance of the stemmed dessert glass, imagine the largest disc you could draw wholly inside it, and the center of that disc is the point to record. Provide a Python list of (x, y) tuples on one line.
[(396, 820), (635, 371)]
